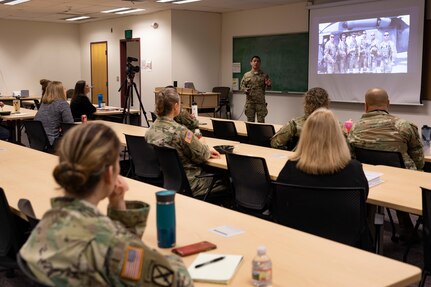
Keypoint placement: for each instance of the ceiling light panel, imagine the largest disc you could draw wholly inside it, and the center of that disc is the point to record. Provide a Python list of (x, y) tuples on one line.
[(16, 2), (185, 1), (116, 10), (129, 11)]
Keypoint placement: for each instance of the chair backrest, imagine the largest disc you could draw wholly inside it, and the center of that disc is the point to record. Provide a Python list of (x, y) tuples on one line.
[(65, 127), (332, 212), (144, 158), (224, 92), (426, 214), (174, 176), (36, 134), (379, 157), (250, 180), (260, 134), (224, 130), (24, 205), (9, 239), (153, 116), (27, 272)]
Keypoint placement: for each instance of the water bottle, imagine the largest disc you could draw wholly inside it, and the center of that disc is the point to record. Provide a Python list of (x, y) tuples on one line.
[(166, 234), (261, 268), (198, 133), (99, 100), (348, 125), (195, 110)]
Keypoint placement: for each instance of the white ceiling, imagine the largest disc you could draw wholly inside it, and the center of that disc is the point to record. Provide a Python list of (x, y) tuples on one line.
[(58, 10)]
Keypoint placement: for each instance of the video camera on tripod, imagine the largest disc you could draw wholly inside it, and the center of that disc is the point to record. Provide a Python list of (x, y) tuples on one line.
[(130, 69)]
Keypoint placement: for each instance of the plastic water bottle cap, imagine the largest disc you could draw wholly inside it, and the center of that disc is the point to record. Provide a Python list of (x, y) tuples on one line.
[(261, 250)]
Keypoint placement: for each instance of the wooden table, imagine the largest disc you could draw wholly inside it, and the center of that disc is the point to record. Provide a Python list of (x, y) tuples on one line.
[(205, 124), (14, 120), (205, 100), (9, 100), (299, 259), (111, 111)]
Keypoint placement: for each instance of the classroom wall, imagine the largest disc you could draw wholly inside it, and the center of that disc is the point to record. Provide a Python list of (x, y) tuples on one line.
[(179, 50), (291, 18), (30, 51)]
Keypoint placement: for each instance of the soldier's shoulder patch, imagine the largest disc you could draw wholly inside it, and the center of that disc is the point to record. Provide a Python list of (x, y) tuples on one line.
[(132, 263), (162, 276), (189, 136)]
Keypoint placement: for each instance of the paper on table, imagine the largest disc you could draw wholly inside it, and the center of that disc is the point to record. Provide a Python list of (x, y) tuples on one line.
[(278, 155), (221, 271), (226, 230), (373, 178)]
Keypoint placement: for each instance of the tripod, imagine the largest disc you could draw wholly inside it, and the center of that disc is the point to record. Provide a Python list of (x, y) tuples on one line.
[(131, 85)]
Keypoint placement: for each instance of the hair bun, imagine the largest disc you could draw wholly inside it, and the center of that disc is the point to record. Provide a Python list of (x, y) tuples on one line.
[(70, 176)]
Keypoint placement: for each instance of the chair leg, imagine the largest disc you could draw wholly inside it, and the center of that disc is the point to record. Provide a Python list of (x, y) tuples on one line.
[(423, 279), (394, 237), (409, 243)]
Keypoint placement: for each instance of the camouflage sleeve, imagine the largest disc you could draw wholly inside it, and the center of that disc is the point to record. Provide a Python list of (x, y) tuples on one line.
[(244, 83), (414, 144), (134, 218), (185, 119), (199, 152), (286, 133), (129, 262)]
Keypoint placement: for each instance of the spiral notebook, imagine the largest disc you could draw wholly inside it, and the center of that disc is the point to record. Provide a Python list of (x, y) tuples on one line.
[(221, 271)]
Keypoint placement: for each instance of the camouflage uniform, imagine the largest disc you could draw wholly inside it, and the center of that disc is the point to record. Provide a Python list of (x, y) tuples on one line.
[(382, 131), (330, 56), (342, 56), (364, 50), (255, 102), (76, 245), (168, 133), (288, 133), (388, 54), (185, 118), (353, 55), (373, 55)]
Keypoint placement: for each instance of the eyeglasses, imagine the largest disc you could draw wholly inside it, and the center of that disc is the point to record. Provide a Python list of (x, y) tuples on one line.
[(386, 35), (331, 36)]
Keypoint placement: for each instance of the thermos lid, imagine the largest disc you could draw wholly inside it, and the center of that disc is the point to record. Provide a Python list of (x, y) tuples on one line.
[(165, 196)]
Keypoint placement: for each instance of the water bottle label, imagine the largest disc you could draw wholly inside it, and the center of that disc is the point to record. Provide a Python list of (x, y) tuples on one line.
[(262, 275)]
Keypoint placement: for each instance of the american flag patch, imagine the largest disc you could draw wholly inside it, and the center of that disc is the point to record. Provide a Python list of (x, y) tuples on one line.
[(132, 265), (189, 137)]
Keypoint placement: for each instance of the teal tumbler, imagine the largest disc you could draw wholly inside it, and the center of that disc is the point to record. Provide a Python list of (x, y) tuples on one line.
[(99, 100), (166, 233)]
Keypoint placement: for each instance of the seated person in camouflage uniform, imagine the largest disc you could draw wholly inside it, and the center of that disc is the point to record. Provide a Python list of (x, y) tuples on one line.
[(192, 151), (186, 119), (288, 135), (379, 130), (75, 244)]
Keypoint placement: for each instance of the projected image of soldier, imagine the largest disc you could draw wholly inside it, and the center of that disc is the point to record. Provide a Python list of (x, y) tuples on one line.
[(388, 54), (364, 50), (330, 55), (353, 55), (342, 55), (373, 55)]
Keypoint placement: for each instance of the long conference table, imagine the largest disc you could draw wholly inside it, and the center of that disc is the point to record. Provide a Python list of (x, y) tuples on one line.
[(400, 190), (299, 259)]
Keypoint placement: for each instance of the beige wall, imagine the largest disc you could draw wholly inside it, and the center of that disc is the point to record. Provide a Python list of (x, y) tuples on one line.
[(30, 51), (282, 107)]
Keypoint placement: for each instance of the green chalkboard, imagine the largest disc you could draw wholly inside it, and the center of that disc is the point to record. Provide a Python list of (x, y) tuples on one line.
[(284, 58)]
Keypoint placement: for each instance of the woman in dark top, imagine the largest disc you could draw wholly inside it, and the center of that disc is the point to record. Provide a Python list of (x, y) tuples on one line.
[(322, 157), (80, 104)]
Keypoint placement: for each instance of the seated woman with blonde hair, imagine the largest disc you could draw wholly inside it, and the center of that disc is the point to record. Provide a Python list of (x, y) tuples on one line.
[(322, 157), (75, 244)]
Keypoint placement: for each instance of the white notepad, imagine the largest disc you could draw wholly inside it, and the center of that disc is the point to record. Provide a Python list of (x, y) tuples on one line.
[(220, 272), (373, 178)]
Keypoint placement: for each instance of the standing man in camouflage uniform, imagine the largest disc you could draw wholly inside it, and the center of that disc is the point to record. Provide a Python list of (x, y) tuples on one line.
[(254, 84), (192, 151), (388, 53), (342, 54), (330, 55), (379, 130), (75, 244), (364, 46), (288, 135)]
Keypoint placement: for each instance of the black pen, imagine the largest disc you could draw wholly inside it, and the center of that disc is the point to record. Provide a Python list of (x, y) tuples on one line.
[(210, 262)]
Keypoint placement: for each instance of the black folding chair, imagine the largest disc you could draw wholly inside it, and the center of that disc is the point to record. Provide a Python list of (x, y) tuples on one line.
[(260, 134), (251, 184), (426, 218), (381, 157), (223, 101), (174, 176), (336, 213), (65, 127), (37, 137), (144, 162), (224, 130)]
